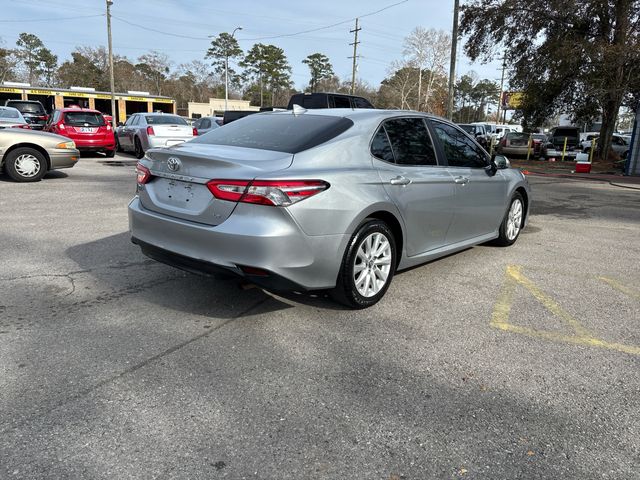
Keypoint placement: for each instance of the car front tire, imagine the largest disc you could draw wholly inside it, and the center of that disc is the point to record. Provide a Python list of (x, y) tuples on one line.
[(368, 266), (25, 165)]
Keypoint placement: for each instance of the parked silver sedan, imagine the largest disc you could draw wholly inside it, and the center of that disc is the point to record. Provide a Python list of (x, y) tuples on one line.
[(26, 155), (205, 125), (143, 131), (326, 199), (12, 118)]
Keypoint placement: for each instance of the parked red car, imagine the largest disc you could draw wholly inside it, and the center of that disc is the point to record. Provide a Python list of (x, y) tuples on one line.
[(88, 128)]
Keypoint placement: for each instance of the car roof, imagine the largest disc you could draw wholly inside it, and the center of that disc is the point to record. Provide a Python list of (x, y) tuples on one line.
[(9, 108), (75, 109), (358, 113), (146, 114)]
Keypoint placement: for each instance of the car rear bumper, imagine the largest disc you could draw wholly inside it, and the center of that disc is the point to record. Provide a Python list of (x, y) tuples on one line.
[(256, 236), (63, 158), (518, 151), (155, 142), (86, 145)]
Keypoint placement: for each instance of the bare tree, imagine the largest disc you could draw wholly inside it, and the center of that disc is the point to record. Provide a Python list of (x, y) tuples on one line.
[(427, 50), (397, 89)]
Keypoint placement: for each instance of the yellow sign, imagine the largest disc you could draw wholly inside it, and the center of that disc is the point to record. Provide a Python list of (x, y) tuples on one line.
[(102, 96), (512, 100), (136, 99), (10, 90), (40, 92), (162, 100)]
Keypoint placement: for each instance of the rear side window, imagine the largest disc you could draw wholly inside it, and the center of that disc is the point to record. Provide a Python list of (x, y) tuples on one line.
[(278, 132), (381, 147), (410, 141), (26, 107), (84, 119), (361, 103), (165, 120), (459, 149), (205, 123), (336, 101)]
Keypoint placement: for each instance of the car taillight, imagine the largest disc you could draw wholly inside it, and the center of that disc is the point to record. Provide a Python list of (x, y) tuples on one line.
[(143, 174), (61, 126), (22, 125), (195, 132), (108, 125), (43, 117), (503, 142), (150, 131), (279, 193)]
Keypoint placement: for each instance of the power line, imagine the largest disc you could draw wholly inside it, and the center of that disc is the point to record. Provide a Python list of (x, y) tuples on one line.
[(325, 27), (158, 31), (59, 19)]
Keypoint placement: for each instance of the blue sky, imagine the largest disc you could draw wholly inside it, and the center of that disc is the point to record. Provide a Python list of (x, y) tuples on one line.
[(381, 36)]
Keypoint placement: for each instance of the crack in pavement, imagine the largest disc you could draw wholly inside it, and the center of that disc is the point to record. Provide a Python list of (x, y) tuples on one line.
[(87, 391)]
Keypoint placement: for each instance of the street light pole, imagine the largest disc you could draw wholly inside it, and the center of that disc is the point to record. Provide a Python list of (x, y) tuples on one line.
[(226, 72), (111, 79)]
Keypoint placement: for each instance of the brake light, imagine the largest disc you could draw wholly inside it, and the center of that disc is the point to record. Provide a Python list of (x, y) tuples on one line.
[(503, 142), (150, 130), (22, 125), (279, 193), (143, 174), (108, 127), (195, 132), (61, 126)]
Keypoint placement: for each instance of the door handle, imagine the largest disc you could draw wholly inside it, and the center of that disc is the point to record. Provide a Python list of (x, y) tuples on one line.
[(461, 180), (400, 180)]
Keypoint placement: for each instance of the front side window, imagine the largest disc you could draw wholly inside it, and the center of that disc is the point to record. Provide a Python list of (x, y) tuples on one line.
[(205, 123), (410, 141), (459, 149)]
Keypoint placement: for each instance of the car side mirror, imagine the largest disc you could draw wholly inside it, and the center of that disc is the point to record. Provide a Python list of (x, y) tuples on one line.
[(501, 162)]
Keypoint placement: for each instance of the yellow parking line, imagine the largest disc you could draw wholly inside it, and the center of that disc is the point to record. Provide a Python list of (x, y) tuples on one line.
[(502, 311), (620, 287)]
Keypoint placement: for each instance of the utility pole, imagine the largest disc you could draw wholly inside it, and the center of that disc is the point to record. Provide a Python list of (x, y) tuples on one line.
[(111, 80), (355, 56), (452, 65), (504, 66)]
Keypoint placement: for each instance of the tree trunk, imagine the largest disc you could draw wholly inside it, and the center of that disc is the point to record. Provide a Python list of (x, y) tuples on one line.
[(613, 99), (261, 92)]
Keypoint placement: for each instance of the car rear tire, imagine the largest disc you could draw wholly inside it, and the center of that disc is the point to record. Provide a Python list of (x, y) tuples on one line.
[(368, 266), (139, 152), (25, 165), (511, 225), (118, 146), (110, 153)]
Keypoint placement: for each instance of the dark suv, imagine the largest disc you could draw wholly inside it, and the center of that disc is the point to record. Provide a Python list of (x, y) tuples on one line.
[(328, 100), (32, 111)]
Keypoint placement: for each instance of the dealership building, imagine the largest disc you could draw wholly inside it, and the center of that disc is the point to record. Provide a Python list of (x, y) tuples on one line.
[(56, 98)]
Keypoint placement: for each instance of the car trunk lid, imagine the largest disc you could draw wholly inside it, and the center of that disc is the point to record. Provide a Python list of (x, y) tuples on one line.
[(180, 175)]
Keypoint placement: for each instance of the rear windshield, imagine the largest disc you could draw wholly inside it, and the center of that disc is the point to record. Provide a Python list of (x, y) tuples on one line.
[(278, 132), (26, 107), (517, 135), (468, 128), (9, 113), (566, 132), (84, 119), (165, 120)]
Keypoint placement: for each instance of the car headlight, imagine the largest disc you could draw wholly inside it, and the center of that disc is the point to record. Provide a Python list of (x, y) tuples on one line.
[(67, 145)]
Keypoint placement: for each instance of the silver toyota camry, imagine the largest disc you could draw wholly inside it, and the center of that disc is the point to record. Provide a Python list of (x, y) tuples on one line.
[(334, 199)]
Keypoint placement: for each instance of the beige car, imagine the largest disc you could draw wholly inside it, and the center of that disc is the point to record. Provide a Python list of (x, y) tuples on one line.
[(26, 155)]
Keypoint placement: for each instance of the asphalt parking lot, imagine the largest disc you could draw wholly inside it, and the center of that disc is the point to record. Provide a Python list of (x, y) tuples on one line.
[(493, 363)]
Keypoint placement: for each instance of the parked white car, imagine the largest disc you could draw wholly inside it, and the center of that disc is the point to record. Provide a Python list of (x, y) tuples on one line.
[(143, 131)]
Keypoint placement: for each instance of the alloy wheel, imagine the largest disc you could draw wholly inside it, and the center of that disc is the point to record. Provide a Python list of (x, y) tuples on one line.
[(514, 219), (372, 264)]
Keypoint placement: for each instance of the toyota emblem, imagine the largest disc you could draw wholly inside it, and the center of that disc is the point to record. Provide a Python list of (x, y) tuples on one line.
[(174, 164)]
